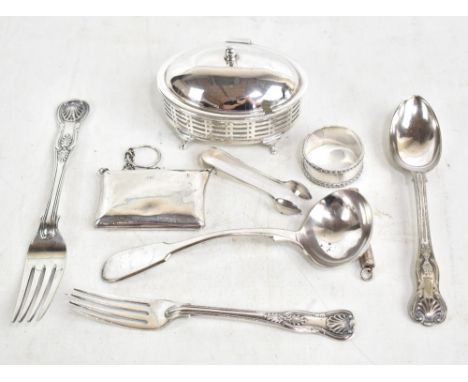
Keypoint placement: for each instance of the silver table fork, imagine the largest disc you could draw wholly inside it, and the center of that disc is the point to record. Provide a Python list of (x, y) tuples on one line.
[(154, 314), (45, 260)]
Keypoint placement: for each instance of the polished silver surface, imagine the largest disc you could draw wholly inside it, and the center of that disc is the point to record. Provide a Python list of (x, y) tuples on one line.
[(141, 196), (233, 88), (231, 92), (45, 260), (332, 156), (337, 230), (415, 140), (154, 314), (283, 193)]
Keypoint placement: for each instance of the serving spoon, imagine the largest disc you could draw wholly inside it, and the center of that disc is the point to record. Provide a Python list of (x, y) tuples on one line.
[(336, 230), (416, 146)]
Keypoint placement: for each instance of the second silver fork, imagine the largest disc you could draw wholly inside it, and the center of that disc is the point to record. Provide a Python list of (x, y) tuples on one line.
[(154, 314)]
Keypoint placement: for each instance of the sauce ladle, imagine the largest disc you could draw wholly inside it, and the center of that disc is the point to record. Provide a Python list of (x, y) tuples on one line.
[(336, 230), (416, 146)]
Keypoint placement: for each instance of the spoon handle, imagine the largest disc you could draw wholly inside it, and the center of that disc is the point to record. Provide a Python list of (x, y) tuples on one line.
[(427, 307), (337, 324)]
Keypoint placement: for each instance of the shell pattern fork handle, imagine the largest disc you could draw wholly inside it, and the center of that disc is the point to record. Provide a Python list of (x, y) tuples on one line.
[(338, 324), (146, 314), (69, 116)]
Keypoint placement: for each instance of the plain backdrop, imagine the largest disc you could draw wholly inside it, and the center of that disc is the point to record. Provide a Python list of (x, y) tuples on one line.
[(359, 70)]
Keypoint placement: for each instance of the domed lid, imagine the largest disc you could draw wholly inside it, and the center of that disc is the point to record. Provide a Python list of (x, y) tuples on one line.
[(234, 77)]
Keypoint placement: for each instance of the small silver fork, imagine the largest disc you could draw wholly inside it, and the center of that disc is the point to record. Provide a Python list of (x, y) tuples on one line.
[(154, 314), (45, 260)]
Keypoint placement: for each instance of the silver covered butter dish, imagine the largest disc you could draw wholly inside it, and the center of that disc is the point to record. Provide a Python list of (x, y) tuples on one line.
[(233, 92)]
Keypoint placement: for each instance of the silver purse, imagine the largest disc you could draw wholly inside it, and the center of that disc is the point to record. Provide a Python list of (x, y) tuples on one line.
[(151, 197)]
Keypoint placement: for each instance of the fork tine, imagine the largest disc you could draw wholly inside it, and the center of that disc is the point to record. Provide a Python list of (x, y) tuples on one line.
[(24, 289), (49, 293), (48, 271), (103, 315), (104, 307), (34, 287), (113, 302), (112, 298)]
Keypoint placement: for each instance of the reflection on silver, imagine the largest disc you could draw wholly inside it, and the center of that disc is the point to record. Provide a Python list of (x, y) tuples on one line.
[(336, 231), (415, 140), (283, 193), (234, 92), (154, 314), (236, 89), (332, 156)]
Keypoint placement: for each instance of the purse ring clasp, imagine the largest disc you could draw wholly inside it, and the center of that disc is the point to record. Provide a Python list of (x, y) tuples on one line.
[(130, 158)]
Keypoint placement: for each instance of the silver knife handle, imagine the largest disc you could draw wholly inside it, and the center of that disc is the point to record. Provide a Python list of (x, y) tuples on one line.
[(338, 324), (427, 307)]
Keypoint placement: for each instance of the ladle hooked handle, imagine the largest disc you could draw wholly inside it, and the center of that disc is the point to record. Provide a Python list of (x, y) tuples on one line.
[(130, 262)]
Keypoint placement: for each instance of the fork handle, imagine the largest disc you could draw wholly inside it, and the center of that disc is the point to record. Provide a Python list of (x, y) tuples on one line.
[(337, 324), (65, 142)]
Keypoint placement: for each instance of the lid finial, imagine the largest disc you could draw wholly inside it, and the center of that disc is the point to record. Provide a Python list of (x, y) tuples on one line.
[(230, 56)]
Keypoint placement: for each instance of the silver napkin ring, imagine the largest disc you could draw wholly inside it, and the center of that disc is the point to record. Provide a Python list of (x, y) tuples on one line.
[(332, 156)]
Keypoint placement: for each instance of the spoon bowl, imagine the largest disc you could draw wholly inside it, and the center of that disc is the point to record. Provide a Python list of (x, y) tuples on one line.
[(298, 189), (286, 207), (415, 135)]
